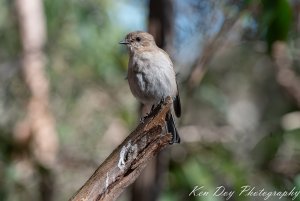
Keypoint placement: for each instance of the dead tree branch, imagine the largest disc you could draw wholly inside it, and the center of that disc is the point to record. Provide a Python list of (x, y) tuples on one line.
[(209, 50), (126, 162)]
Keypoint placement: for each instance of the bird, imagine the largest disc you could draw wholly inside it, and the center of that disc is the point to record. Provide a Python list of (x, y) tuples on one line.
[(151, 76)]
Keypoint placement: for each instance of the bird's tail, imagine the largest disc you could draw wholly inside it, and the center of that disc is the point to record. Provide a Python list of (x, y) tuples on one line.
[(172, 128)]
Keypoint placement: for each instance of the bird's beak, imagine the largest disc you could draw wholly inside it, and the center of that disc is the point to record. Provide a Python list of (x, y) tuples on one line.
[(124, 42)]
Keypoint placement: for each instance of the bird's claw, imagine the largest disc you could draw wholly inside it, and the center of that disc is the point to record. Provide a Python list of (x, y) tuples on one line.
[(142, 120)]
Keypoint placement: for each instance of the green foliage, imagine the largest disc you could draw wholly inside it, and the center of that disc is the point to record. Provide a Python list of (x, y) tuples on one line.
[(276, 20), (83, 37), (266, 149), (9, 36)]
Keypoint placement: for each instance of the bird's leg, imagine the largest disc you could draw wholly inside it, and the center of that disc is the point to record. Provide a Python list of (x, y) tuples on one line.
[(142, 119), (152, 108), (162, 101), (155, 108)]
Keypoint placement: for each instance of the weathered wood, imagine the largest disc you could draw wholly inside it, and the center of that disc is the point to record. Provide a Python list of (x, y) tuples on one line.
[(127, 161)]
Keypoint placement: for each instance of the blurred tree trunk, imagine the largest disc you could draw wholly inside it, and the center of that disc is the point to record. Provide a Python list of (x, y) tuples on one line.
[(37, 130), (296, 7), (161, 16), (150, 183)]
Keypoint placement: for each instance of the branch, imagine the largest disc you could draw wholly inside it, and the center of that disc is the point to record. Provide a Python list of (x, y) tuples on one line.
[(211, 47), (286, 77), (125, 163)]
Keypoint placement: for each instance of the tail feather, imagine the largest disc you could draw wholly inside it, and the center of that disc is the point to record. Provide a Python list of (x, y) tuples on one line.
[(172, 128)]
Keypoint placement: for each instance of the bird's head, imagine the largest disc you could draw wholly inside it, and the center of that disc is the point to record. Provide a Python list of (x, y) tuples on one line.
[(138, 40)]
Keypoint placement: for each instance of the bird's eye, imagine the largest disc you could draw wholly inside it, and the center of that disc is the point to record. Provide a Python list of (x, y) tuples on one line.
[(138, 39)]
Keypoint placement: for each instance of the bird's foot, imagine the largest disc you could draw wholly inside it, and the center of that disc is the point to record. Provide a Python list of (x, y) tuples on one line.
[(142, 119), (162, 101)]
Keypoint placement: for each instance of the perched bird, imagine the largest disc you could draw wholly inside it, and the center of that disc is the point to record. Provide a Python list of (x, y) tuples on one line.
[(151, 75)]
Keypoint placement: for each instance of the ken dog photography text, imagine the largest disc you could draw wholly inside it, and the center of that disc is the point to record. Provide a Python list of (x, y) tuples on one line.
[(247, 191)]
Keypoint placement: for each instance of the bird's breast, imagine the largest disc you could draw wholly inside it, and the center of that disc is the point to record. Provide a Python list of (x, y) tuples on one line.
[(151, 78)]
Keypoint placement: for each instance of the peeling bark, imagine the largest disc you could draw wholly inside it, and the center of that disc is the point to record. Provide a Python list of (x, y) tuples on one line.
[(126, 162)]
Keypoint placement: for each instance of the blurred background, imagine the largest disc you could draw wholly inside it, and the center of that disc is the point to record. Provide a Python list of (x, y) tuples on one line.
[(65, 103)]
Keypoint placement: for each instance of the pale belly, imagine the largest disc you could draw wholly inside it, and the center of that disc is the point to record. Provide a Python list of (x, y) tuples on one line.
[(151, 87)]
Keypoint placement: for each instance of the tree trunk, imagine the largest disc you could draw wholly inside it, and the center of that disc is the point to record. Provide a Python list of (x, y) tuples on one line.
[(38, 128)]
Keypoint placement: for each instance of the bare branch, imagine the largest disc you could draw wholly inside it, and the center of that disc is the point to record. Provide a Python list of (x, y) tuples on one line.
[(286, 77), (209, 50), (126, 162)]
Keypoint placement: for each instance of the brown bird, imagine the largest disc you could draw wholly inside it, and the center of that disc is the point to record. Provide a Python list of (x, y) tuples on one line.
[(151, 76)]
